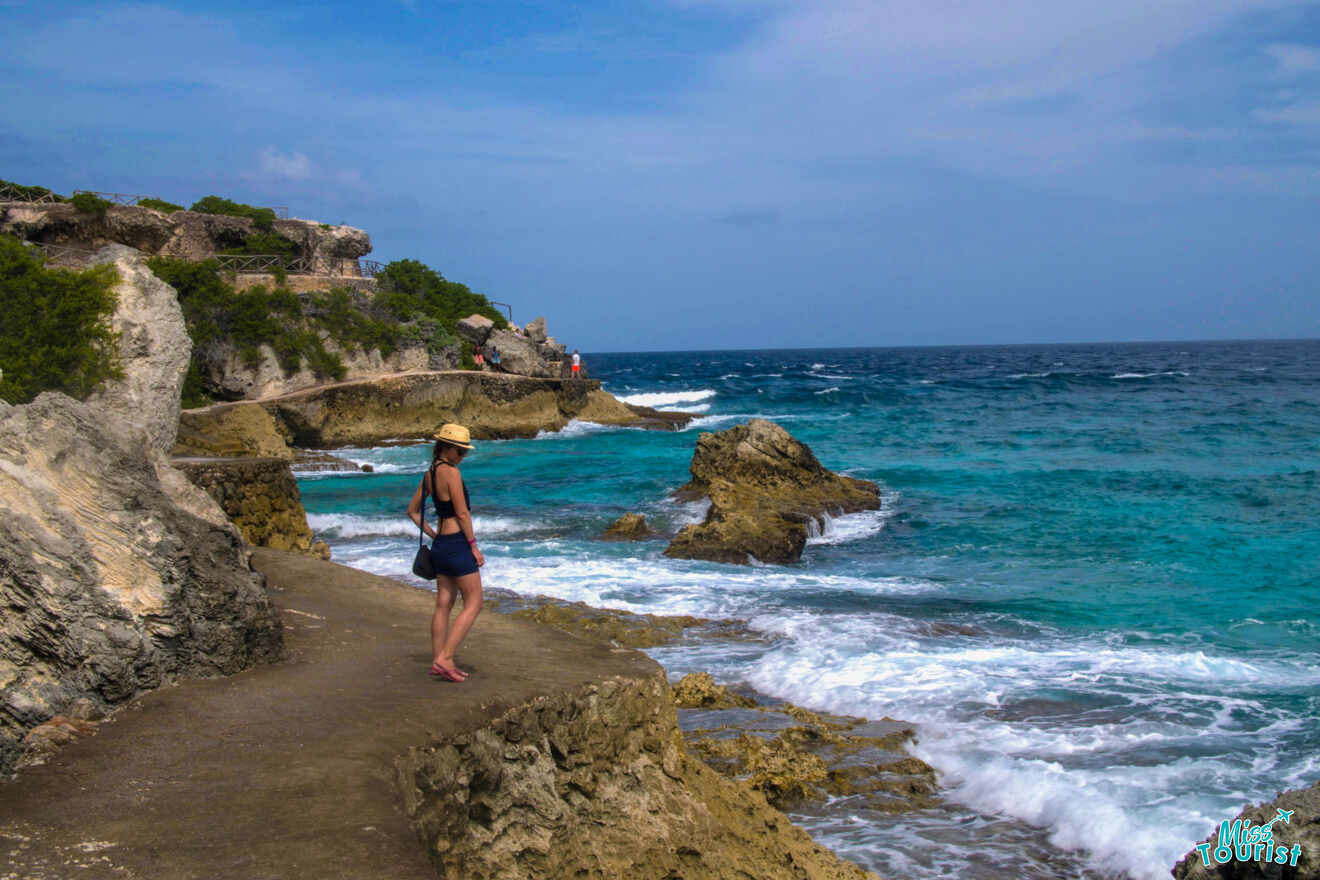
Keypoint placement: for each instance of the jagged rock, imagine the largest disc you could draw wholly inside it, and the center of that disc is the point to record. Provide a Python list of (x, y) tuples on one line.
[(697, 690), (260, 496), (1301, 830), (764, 487), (629, 527), (109, 587), (235, 430), (598, 785), (535, 330), (154, 349), (330, 249), (475, 329), (519, 355)]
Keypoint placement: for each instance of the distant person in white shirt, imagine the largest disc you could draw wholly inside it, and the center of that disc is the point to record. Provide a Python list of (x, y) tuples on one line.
[(577, 363)]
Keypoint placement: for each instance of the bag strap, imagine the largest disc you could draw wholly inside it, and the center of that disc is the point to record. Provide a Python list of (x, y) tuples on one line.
[(421, 526)]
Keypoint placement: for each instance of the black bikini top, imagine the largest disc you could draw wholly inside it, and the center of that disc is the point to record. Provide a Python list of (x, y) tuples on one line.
[(445, 509)]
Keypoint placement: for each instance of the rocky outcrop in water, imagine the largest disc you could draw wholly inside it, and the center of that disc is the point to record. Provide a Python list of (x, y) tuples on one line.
[(764, 487), (1292, 851), (108, 586), (629, 527)]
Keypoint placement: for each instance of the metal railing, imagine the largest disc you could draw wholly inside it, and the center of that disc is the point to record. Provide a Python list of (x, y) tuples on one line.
[(508, 308), (62, 254), (338, 267), (10, 193), (281, 211), (113, 198)]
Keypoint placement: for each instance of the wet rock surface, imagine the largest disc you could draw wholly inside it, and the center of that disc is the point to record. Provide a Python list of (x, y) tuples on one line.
[(796, 757), (629, 527), (764, 487), (609, 627), (1296, 834)]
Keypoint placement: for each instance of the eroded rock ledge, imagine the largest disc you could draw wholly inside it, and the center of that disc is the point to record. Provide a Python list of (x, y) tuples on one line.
[(412, 405), (596, 783)]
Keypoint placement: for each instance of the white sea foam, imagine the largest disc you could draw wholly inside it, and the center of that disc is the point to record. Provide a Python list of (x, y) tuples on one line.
[(1147, 375), (344, 526), (578, 428), (1091, 771), (659, 399), (849, 527), (829, 390)]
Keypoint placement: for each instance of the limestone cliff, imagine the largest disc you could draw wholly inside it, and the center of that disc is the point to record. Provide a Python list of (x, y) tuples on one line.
[(192, 236), (107, 586)]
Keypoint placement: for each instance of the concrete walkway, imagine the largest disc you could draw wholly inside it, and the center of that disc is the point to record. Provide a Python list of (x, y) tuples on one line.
[(283, 771)]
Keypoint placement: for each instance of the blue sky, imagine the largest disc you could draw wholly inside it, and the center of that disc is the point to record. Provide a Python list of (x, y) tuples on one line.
[(670, 174)]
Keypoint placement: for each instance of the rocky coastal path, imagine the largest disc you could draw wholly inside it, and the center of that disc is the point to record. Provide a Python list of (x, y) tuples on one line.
[(286, 770), (556, 758)]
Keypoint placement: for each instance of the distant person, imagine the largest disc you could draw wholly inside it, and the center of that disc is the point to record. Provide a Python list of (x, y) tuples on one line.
[(495, 359), (454, 552), (577, 363), (479, 359)]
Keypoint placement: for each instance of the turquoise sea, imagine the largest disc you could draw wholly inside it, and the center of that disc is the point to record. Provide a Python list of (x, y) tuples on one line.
[(1093, 584)]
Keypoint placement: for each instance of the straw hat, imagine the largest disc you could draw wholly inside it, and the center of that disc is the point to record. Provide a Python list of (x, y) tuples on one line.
[(456, 435)]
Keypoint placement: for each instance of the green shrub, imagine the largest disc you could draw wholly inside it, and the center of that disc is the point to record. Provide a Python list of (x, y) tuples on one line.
[(90, 203), (159, 205), (56, 333), (31, 192), (262, 218), (280, 275), (411, 288), (265, 243), (291, 325)]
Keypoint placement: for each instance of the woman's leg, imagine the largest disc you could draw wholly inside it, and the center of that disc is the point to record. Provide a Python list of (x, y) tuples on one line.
[(470, 586), (446, 590)]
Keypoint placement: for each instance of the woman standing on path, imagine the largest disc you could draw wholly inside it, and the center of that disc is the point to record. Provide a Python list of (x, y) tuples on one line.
[(454, 550)]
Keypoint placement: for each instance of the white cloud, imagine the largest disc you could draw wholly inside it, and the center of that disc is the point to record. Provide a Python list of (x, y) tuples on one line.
[(294, 166), (1293, 59)]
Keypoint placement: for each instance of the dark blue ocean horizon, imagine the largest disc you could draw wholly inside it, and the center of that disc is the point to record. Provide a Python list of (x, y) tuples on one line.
[(1093, 583)]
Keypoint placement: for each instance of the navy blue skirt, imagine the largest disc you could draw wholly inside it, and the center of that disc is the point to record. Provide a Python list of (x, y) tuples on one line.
[(452, 555)]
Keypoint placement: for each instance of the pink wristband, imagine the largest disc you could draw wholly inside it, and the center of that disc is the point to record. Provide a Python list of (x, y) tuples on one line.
[(473, 541)]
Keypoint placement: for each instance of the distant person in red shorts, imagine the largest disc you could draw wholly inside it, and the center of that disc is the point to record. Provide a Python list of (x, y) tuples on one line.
[(577, 363)]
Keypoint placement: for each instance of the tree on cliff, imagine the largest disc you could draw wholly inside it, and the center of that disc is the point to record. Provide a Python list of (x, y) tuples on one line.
[(55, 334), (408, 288)]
